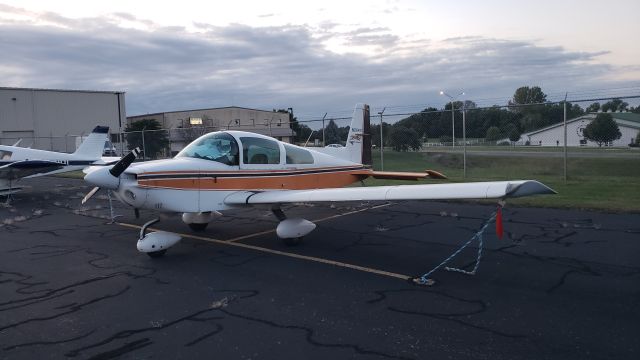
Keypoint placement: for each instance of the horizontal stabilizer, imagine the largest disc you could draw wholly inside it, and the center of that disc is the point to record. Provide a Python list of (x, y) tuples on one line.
[(473, 190)]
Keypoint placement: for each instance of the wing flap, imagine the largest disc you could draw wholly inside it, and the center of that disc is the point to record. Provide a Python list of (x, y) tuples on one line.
[(474, 190), (395, 175)]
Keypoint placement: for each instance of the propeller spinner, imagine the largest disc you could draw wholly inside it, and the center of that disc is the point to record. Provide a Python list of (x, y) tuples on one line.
[(109, 178)]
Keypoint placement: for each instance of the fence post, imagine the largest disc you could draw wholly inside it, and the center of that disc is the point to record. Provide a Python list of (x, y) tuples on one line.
[(144, 148), (323, 141), (169, 137)]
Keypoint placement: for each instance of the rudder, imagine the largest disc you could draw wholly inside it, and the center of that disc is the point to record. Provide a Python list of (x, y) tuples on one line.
[(93, 145)]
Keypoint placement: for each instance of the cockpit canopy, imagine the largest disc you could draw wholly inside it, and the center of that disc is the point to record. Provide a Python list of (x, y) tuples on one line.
[(256, 150), (216, 146)]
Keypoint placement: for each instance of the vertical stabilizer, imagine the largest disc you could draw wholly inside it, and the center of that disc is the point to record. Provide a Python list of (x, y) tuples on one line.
[(358, 144), (93, 146)]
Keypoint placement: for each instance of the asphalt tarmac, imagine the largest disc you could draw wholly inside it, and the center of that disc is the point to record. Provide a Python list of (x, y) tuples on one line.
[(561, 284)]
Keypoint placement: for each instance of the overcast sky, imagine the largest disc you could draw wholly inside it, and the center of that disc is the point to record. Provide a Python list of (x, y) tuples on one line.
[(319, 57)]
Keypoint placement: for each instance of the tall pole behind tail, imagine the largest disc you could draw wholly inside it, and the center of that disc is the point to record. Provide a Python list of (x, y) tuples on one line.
[(366, 137), (381, 140)]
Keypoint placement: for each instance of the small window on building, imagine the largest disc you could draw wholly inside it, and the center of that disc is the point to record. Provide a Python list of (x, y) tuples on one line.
[(195, 121), (5, 155), (296, 155), (260, 151)]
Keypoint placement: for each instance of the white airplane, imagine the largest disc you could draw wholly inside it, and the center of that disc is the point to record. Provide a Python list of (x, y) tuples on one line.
[(18, 162), (235, 169)]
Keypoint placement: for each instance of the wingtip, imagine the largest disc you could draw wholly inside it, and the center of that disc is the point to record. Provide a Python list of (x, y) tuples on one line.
[(435, 175), (529, 187)]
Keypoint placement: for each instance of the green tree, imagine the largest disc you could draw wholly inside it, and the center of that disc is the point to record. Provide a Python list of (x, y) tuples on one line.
[(528, 95), (332, 133), (404, 139), (514, 134), (375, 133), (615, 105), (594, 107), (602, 129), (155, 138), (493, 133), (303, 133), (295, 125)]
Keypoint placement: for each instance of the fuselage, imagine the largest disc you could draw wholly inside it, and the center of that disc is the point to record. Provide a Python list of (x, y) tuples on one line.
[(200, 177)]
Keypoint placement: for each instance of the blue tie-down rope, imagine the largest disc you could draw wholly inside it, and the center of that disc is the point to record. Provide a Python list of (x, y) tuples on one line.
[(425, 280)]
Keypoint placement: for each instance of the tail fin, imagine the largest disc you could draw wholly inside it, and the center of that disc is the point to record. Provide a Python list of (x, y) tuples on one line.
[(93, 145), (359, 139), (358, 146)]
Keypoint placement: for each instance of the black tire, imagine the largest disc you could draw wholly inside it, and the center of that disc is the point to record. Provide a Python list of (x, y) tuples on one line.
[(157, 254), (292, 241), (198, 226)]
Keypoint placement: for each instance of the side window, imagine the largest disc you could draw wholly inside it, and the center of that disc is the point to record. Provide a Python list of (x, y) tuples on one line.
[(260, 151), (296, 155), (5, 155)]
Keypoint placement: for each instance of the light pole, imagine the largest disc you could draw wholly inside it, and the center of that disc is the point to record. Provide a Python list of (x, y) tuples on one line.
[(453, 121), (381, 139)]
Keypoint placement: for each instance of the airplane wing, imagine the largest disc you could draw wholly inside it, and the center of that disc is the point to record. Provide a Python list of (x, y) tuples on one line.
[(472, 190), (20, 169)]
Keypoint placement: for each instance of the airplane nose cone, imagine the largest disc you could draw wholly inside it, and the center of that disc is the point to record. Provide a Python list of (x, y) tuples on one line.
[(102, 178)]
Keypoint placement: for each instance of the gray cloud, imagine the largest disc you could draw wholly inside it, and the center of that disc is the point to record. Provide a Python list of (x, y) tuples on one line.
[(170, 68)]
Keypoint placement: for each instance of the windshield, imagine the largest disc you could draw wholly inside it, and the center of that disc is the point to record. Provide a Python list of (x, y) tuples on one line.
[(218, 146)]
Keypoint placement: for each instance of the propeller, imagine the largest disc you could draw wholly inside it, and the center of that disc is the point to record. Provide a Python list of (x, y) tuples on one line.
[(109, 178)]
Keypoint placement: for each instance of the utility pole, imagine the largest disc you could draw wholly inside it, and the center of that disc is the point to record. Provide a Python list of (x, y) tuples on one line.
[(381, 139), (453, 117), (565, 136), (464, 140)]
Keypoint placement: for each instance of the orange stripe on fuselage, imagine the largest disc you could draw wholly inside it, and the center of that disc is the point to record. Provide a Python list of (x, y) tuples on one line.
[(331, 179)]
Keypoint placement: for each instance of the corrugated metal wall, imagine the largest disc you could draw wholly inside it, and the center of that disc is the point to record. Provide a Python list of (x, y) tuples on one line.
[(55, 117)]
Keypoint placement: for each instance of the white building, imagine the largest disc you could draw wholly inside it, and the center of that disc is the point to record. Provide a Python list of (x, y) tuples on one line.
[(629, 124), (51, 119)]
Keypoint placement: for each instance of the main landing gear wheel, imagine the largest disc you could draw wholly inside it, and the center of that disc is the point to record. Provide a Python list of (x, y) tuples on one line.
[(198, 226), (157, 254), (292, 241)]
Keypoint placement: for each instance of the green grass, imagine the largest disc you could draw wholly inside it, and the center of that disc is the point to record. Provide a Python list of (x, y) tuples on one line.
[(607, 184), (78, 174)]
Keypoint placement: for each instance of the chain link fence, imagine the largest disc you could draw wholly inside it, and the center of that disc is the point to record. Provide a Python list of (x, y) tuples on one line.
[(464, 140), (551, 139)]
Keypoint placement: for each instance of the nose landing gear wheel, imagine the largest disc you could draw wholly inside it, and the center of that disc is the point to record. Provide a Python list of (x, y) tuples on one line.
[(157, 254), (292, 241), (198, 226)]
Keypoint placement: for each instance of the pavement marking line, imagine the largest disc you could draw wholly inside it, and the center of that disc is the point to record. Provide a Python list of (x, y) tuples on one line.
[(284, 253), (243, 237)]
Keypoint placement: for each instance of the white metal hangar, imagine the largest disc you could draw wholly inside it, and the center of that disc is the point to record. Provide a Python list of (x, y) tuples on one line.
[(628, 123), (53, 119), (185, 125)]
